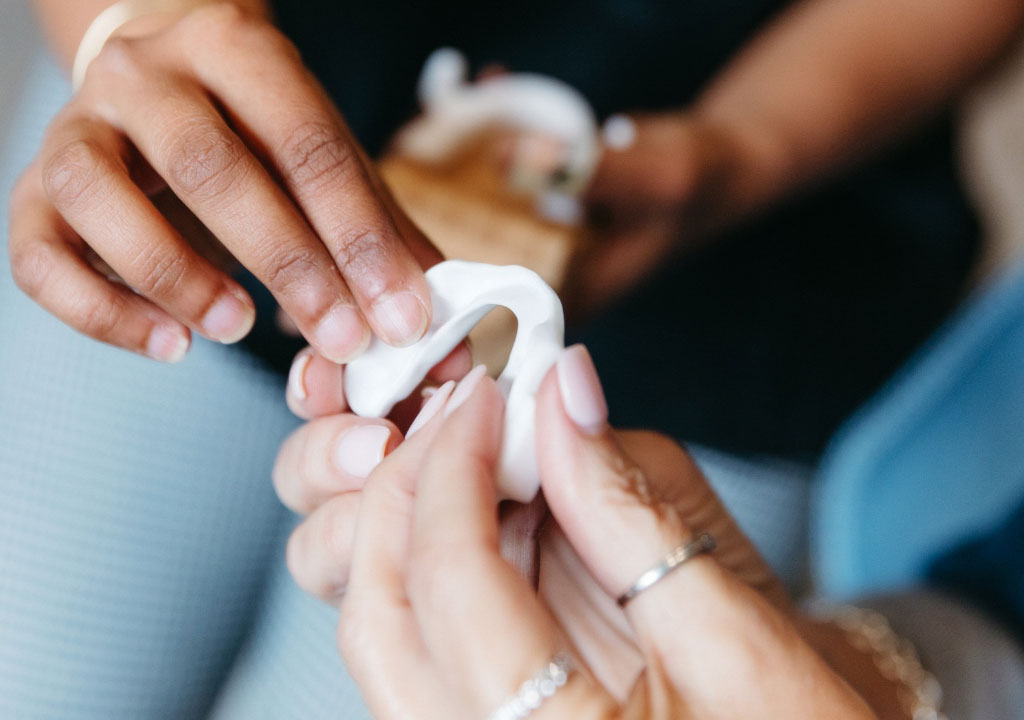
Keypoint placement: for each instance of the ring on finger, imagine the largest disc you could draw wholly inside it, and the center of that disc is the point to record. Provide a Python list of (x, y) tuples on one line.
[(703, 543)]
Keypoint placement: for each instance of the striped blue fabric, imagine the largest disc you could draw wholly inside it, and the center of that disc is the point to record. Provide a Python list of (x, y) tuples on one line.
[(138, 525)]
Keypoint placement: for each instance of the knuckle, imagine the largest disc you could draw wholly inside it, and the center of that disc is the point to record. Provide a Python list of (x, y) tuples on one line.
[(229, 25), (218, 16), (32, 262), (119, 58), (160, 273), (315, 156), (240, 27), (336, 535), (99, 318), (361, 253), (430, 571), (205, 160), (71, 174), (275, 43), (289, 267)]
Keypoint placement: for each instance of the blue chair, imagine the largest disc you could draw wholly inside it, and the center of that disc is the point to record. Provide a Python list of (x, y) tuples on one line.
[(935, 460)]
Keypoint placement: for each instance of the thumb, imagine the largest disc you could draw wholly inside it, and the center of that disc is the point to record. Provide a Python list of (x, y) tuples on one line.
[(604, 502), (639, 486), (701, 622)]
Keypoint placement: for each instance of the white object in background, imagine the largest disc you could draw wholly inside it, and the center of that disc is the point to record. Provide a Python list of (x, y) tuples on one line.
[(619, 132), (462, 293), (456, 111)]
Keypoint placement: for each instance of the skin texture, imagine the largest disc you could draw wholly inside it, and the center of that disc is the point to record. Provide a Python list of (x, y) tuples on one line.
[(436, 623), (215, 106), (65, 23)]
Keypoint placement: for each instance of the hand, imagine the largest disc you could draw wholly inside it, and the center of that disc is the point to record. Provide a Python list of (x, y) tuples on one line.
[(435, 623), (666, 191), (216, 106), (322, 467), (612, 513)]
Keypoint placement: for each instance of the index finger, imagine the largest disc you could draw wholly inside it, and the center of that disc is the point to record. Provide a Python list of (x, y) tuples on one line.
[(460, 588), (378, 635), (305, 138)]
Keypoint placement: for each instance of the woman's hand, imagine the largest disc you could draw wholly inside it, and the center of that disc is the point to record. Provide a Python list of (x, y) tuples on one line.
[(322, 467), (435, 623), (216, 106), (435, 620)]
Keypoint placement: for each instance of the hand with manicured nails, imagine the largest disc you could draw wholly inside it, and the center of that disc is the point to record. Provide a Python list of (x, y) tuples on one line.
[(434, 623), (215, 106)]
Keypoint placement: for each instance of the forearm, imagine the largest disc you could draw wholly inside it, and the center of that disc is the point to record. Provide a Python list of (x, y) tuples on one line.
[(64, 23), (832, 80)]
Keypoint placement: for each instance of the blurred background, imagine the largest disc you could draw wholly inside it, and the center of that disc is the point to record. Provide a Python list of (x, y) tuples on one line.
[(20, 41)]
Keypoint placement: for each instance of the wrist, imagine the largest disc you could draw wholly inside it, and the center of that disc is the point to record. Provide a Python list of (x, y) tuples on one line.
[(133, 18), (734, 176)]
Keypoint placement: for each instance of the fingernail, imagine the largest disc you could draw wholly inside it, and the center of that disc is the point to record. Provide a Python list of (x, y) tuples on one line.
[(341, 335), (581, 391), (229, 319), (465, 389), (166, 344), (297, 375), (430, 407), (402, 318), (360, 450)]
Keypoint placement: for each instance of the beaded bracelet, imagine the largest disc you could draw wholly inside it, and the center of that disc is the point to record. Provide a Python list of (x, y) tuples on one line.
[(896, 658)]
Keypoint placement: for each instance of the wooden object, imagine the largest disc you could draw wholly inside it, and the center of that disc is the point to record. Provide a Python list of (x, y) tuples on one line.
[(466, 209)]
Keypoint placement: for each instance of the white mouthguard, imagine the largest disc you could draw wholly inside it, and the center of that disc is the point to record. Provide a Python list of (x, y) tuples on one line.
[(462, 293)]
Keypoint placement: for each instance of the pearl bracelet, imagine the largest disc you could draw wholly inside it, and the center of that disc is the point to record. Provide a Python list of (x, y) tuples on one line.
[(896, 658), (106, 24)]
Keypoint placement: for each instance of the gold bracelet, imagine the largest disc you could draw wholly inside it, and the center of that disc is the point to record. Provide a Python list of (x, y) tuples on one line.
[(107, 22), (896, 658)]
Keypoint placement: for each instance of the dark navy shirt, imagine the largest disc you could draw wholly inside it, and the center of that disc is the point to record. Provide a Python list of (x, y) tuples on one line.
[(766, 339)]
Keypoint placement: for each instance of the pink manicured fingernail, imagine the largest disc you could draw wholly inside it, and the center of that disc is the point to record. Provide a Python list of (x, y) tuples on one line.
[(360, 450), (229, 319), (437, 400), (166, 344), (297, 375), (465, 389), (581, 391), (401, 317), (342, 334)]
